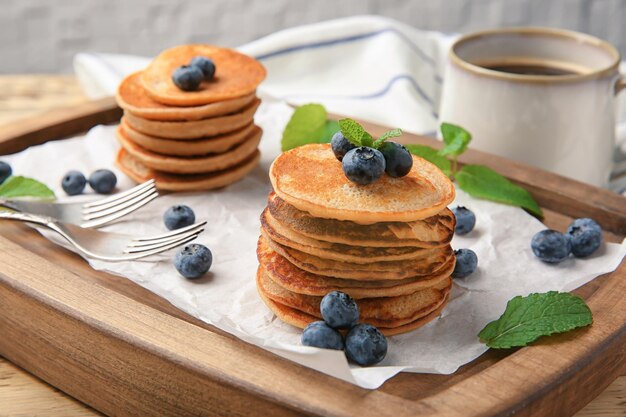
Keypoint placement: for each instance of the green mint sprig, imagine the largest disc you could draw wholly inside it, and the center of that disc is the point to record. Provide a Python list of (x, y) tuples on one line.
[(477, 180), (356, 134), (483, 182), (433, 156), (525, 319), (18, 186), (308, 124)]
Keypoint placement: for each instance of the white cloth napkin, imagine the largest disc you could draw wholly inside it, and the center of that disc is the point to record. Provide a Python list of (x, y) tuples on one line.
[(368, 67)]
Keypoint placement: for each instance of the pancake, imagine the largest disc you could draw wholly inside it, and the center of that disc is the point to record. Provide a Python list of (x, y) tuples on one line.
[(431, 232), (311, 179), (192, 165), (196, 128), (384, 312), (338, 251), (215, 144), (374, 271), (300, 319), (236, 75), (172, 182), (288, 276), (132, 97)]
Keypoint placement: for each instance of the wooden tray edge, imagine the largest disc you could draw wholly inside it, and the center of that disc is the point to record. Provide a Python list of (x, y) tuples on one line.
[(591, 200)]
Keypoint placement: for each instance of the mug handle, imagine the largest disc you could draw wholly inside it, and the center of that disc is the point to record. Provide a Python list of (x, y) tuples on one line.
[(619, 155), (620, 84)]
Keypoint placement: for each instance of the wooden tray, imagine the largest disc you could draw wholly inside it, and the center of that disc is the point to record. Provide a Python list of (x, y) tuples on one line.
[(125, 351)]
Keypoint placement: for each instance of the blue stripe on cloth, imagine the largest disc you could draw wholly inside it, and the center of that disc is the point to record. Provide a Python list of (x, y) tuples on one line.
[(353, 38), (376, 94)]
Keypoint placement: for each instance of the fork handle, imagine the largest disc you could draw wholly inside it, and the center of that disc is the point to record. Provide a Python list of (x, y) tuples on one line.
[(24, 217)]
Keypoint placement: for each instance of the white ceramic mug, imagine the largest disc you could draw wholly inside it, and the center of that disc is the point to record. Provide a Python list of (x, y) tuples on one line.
[(562, 123)]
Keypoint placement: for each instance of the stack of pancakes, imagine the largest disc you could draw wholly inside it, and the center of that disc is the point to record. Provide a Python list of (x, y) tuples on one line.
[(386, 244), (190, 140)]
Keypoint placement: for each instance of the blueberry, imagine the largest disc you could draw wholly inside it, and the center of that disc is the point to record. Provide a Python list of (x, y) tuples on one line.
[(5, 171), (365, 345), (585, 236), (551, 246), (465, 220), (466, 263), (206, 65), (102, 181), (321, 335), (398, 160), (363, 165), (73, 183), (187, 78), (340, 145), (178, 216), (339, 310), (193, 261)]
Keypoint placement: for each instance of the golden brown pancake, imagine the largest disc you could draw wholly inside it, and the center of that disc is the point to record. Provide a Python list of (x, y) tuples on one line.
[(300, 319), (374, 271), (428, 233), (311, 179), (132, 97), (384, 312), (288, 276), (192, 165), (236, 75), (213, 144), (196, 128), (173, 182), (337, 251)]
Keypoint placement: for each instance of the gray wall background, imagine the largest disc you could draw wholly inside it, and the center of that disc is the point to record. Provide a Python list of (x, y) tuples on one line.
[(41, 36)]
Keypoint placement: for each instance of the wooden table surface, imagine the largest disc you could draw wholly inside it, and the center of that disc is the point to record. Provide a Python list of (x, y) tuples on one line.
[(22, 394)]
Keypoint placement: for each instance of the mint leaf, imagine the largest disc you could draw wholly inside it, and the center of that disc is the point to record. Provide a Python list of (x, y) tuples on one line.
[(528, 318), (17, 186), (480, 181), (308, 124), (330, 128), (355, 133), (456, 139), (431, 155), (393, 133)]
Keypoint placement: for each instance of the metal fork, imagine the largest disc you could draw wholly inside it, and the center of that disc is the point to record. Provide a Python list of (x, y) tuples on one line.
[(108, 246), (93, 214)]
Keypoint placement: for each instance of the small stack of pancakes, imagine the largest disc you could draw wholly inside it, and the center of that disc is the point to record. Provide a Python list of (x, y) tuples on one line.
[(190, 140), (386, 244)]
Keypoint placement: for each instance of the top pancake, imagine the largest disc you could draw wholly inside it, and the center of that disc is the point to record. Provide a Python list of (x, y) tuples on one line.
[(311, 179), (236, 75), (132, 97)]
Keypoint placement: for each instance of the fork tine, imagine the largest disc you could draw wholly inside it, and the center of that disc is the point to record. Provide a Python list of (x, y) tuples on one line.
[(119, 200), (149, 244), (171, 238), (114, 209), (172, 233), (104, 220), (175, 242), (114, 198), (157, 251)]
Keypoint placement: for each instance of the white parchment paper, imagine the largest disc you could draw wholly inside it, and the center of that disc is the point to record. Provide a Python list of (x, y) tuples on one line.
[(227, 297)]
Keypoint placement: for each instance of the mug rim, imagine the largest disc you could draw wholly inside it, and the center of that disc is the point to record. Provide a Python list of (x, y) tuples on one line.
[(536, 31)]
